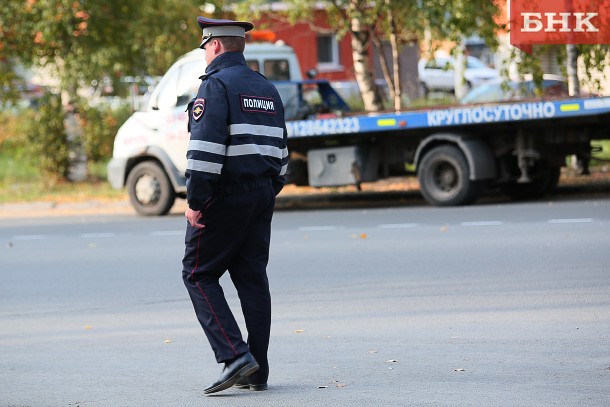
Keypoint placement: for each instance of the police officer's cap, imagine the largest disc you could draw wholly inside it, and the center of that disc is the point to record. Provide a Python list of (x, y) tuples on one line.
[(222, 28)]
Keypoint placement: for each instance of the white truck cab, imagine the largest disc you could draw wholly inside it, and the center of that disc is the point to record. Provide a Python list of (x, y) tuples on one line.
[(149, 155)]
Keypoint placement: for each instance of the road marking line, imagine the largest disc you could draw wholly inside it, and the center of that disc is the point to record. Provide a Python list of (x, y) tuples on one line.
[(316, 228), (94, 235), (483, 223), (578, 220), (398, 225), (168, 233), (29, 237)]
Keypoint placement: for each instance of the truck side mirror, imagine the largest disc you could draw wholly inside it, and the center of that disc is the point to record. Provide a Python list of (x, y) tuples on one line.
[(312, 73)]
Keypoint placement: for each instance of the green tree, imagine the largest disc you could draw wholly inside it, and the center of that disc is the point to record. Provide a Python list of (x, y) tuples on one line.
[(418, 21), (396, 21), (583, 65), (75, 42), (48, 140), (80, 40)]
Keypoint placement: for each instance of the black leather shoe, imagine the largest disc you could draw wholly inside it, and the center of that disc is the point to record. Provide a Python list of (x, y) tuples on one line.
[(246, 382), (243, 366), (242, 383)]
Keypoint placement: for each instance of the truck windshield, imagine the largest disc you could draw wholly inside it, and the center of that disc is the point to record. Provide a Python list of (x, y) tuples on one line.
[(277, 70), (180, 86)]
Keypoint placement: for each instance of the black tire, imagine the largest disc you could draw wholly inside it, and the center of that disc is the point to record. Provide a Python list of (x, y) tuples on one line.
[(150, 191), (296, 173), (443, 175), (544, 181)]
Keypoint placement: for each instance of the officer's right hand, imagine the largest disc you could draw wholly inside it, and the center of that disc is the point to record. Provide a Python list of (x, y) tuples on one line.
[(193, 217)]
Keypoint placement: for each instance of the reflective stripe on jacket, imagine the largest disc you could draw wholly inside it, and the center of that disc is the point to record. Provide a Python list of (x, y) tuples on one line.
[(238, 133)]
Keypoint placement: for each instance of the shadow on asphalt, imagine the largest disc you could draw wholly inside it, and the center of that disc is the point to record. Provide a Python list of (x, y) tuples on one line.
[(383, 199)]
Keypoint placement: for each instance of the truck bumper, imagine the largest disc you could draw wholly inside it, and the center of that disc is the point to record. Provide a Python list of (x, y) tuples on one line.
[(116, 172)]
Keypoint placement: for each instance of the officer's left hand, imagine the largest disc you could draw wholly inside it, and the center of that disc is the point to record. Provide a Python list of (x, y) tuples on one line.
[(193, 218)]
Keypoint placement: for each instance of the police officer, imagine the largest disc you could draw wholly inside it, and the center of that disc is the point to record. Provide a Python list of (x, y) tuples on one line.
[(237, 158)]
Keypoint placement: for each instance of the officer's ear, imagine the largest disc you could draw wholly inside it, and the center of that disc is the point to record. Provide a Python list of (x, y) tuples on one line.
[(217, 46)]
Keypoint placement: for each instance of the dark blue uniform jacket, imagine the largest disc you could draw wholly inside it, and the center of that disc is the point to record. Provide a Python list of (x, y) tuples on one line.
[(238, 133)]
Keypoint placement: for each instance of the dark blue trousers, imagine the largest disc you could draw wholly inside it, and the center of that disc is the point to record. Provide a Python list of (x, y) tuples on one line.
[(235, 238)]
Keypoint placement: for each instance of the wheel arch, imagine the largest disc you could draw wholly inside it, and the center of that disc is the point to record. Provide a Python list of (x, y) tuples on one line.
[(481, 161), (154, 153)]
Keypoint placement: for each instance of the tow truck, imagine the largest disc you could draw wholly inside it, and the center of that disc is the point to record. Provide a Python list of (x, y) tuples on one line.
[(457, 152)]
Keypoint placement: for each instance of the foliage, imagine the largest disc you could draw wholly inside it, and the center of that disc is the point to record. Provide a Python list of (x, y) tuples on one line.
[(78, 41), (602, 155), (48, 141), (100, 125), (15, 162), (401, 20), (11, 125), (594, 59)]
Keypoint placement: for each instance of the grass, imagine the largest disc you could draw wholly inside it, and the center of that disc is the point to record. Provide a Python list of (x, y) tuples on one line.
[(604, 154), (60, 193), (21, 182)]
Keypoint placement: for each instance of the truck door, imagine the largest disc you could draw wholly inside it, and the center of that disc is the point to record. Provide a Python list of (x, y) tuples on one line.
[(176, 91)]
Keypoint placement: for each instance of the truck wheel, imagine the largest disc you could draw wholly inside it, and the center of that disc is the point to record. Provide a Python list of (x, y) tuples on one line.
[(443, 175), (150, 190), (544, 181)]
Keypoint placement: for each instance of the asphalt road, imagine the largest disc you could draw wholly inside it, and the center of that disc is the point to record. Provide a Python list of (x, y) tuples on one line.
[(491, 305)]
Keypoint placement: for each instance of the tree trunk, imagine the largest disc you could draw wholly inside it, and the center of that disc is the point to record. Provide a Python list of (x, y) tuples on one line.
[(360, 53), (383, 62), (458, 73), (395, 58), (397, 70), (579, 161), (572, 70)]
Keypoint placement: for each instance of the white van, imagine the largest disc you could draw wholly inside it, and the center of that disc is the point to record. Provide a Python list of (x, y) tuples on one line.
[(149, 156)]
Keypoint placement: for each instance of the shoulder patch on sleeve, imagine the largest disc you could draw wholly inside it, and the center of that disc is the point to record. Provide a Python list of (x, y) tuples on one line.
[(257, 104), (198, 108)]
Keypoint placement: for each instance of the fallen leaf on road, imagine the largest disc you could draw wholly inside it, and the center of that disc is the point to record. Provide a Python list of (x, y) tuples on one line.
[(391, 361), (363, 236), (299, 331), (88, 327), (373, 351), (168, 341), (444, 228)]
